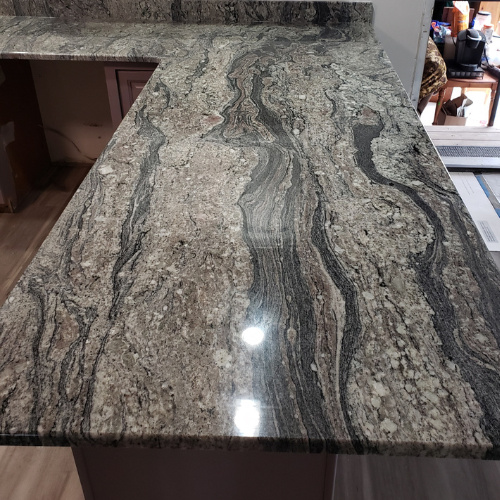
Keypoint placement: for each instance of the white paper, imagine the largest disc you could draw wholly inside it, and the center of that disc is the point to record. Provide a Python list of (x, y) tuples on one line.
[(493, 181), (481, 210)]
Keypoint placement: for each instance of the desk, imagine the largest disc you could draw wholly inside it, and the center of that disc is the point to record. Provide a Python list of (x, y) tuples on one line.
[(488, 82)]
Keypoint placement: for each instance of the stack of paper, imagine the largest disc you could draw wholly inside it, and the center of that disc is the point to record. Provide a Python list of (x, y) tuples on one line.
[(481, 210)]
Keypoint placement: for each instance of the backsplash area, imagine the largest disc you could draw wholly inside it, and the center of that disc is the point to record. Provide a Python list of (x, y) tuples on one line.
[(195, 11), (7, 8)]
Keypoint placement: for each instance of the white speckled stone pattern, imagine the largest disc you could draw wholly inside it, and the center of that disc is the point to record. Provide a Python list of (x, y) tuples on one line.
[(196, 11), (267, 177)]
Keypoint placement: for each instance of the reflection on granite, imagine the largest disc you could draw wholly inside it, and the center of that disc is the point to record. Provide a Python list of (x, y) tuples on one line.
[(270, 178), (196, 11)]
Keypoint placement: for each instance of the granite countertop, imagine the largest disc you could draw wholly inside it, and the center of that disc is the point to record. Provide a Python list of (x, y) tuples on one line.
[(271, 178)]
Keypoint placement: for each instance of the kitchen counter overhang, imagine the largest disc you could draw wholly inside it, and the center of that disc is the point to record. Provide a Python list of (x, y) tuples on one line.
[(268, 177)]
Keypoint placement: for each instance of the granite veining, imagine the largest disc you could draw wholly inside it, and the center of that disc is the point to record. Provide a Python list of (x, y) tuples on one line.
[(268, 177), (196, 11)]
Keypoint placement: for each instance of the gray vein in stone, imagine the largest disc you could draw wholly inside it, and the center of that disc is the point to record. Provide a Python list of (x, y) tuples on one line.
[(267, 176), (196, 11)]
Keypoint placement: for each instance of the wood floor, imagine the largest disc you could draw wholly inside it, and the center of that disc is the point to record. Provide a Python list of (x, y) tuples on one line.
[(22, 233), (411, 478), (33, 473), (464, 136)]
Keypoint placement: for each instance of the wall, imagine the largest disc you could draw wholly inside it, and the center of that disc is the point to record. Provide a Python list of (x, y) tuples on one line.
[(74, 105), (399, 27)]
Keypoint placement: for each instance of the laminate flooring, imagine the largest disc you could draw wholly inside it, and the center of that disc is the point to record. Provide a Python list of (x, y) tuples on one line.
[(412, 478), (35, 473), (22, 233), (463, 136)]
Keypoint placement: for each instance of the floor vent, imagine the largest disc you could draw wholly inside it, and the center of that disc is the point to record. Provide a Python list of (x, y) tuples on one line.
[(469, 151)]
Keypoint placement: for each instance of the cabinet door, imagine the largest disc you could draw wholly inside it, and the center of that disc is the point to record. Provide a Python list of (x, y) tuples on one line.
[(130, 84), (125, 82)]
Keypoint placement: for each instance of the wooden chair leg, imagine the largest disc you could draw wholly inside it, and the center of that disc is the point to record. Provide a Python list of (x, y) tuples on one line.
[(492, 100), (439, 105)]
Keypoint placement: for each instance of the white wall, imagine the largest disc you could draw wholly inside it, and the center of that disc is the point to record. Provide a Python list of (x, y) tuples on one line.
[(399, 25), (73, 101)]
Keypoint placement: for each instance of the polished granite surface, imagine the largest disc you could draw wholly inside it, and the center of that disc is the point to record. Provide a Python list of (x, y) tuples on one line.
[(196, 11), (268, 255)]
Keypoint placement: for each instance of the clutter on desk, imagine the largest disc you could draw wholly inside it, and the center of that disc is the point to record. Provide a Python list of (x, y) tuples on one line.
[(488, 31), (439, 31), (467, 43), (449, 47), (468, 55), (482, 19), (447, 16), (455, 111), (441, 35), (461, 12)]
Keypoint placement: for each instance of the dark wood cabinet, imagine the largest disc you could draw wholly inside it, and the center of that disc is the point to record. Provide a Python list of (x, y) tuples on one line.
[(125, 82)]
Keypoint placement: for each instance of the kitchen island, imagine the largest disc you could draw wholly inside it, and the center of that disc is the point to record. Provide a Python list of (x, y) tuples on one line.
[(269, 256)]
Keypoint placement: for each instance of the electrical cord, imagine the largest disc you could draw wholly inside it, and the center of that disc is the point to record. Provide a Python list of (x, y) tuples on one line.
[(55, 131)]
